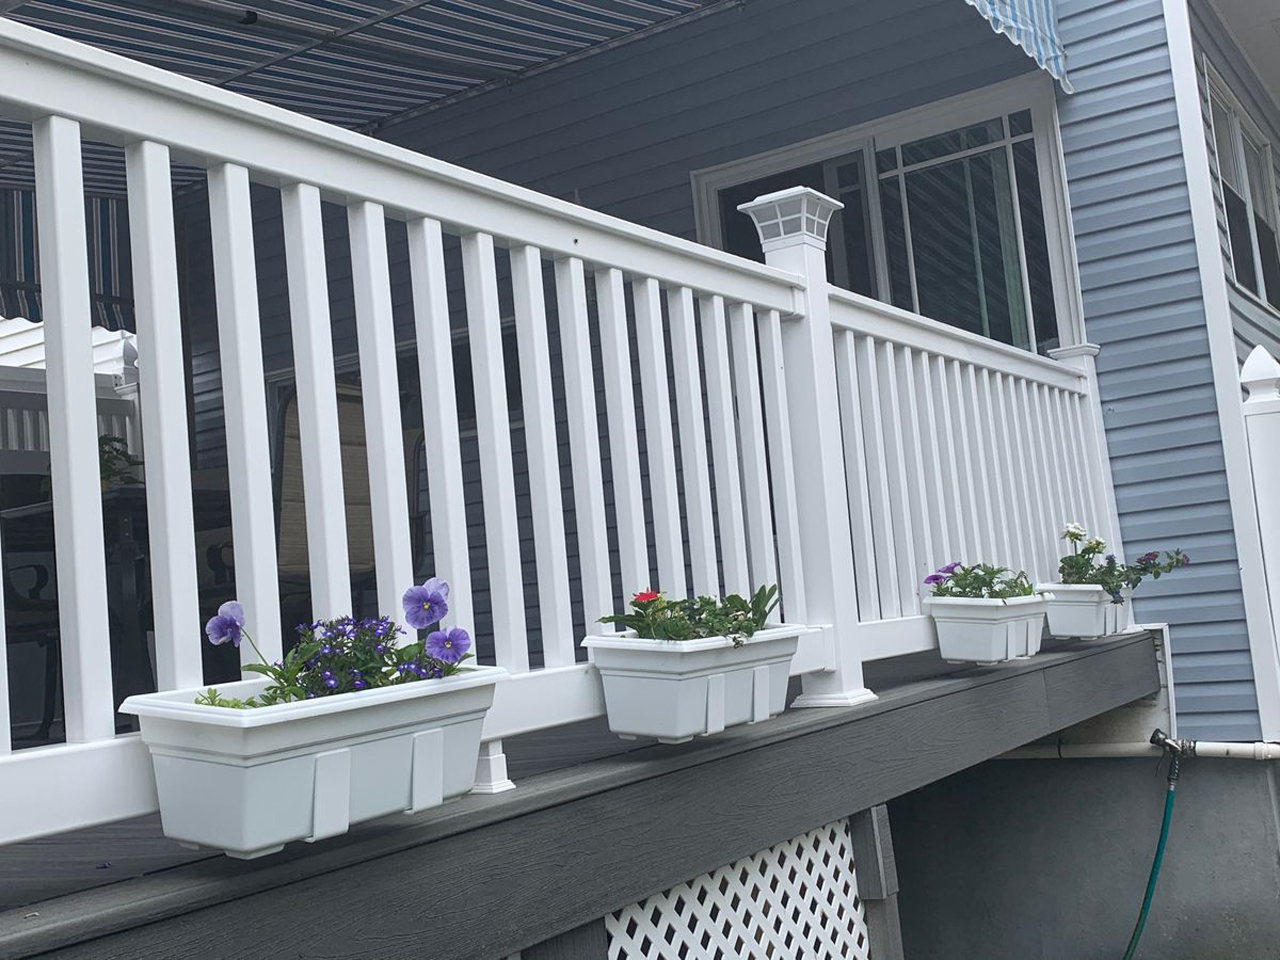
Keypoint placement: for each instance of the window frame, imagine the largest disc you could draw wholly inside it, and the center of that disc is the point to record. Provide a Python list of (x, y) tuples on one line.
[(1242, 128), (1033, 92)]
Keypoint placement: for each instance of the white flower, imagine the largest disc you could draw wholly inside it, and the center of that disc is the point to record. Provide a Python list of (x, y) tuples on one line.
[(1097, 543), (1073, 531)]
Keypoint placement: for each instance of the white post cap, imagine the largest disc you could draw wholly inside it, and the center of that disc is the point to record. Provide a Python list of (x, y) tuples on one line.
[(792, 216), (1260, 376)]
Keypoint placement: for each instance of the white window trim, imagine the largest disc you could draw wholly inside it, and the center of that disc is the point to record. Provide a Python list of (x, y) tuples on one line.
[(1033, 91), (1243, 127)]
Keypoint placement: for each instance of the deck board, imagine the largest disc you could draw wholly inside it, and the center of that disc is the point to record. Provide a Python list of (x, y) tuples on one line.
[(587, 831)]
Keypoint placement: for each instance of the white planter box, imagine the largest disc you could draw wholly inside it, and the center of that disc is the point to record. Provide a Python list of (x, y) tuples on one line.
[(677, 690), (987, 631), (1083, 610), (249, 781)]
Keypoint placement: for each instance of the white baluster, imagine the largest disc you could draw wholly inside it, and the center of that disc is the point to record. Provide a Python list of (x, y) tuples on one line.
[(584, 440), (493, 435), (1007, 486), (959, 414), (920, 484), (997, 496), (73, 460), (755, 475), (163, 396), (6, 720), (724, 445), (659, 438), (878, 479), (584, 433), (1070, 476), (539, 418), (936, 487), (900, 487), (624, 447), (773, 389), (693, 442), (443, 447), (1089, 482), (1028, 519), (859, 472), (1047, 510), (326, 510), (1063, 506), (253, 522), (380, 390), (978, 440), (938, 406)]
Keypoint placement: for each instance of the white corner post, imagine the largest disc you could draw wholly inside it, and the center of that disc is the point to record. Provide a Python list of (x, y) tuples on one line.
[(491, 769), (1260, 378), (1083, 358), (793, 232)]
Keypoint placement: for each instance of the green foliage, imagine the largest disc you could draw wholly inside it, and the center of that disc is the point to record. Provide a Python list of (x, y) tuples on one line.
[(980, 581), (654, 617), (1081, 565)]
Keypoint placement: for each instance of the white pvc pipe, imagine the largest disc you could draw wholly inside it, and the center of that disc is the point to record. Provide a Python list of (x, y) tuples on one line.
[(1203, 748)]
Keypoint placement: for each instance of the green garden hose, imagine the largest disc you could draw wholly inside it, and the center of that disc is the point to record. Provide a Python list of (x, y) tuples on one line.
[(1174, 758)]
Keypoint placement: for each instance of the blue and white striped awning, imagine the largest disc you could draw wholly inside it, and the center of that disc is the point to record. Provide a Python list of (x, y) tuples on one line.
[(1032, 25)]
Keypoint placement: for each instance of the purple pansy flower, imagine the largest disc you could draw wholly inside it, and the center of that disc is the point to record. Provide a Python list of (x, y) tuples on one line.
[(226, 624), (449, 645), (426, 604)]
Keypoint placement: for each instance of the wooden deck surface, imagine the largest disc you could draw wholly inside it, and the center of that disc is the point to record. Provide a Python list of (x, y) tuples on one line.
[(930, 720)]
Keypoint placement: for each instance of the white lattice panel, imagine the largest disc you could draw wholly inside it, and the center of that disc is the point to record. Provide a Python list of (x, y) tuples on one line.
[(798, 899)]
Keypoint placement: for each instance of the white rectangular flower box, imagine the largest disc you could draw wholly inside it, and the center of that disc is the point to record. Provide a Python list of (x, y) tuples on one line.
[(1084, 610), (249, 781), (987, 631), (677, 690)]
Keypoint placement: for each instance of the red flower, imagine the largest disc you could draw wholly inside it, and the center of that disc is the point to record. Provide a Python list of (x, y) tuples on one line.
[(644, 596)]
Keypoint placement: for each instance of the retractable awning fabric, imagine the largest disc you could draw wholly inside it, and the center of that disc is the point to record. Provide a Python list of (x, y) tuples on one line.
[(1032, 25)]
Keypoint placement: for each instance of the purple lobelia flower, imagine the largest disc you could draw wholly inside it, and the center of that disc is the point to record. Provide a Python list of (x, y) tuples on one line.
[(449, 645), (226, 625), (426, 604)]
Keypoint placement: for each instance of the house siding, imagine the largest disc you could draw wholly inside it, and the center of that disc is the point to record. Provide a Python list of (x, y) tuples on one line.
[(1143, 304)]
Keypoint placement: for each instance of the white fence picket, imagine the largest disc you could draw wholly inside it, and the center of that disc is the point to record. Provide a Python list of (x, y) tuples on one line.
[(584, 440), (167, 464), (555, 615), (755, 474), (445, 491), (493, 434), (380, 390), (73, 441), (659, 436), (253, 523), (782, 477), (317, 402), (724, 445), (624, 447), (693, 442)]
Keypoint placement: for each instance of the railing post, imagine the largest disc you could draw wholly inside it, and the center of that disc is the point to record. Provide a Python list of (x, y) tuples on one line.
[(793, 232), (1083, 358), (1260, 378)]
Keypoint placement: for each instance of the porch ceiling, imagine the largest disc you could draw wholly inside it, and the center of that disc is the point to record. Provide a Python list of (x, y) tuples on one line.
[(1255, 25), (354, 63)]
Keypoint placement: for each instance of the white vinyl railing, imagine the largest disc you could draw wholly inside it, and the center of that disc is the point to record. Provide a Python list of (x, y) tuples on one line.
[(758, 376), (1260, 381), (956, 448)]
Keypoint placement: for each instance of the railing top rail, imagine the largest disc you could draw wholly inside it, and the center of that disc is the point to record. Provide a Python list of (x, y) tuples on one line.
[(862, 315), (121, 101)]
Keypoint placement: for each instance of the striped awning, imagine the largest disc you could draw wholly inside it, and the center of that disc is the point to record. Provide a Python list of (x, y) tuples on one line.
[(1032, 25)]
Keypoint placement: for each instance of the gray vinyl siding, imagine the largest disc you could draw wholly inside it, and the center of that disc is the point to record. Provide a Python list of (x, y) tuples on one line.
[(1254, 322), (1143, 304)]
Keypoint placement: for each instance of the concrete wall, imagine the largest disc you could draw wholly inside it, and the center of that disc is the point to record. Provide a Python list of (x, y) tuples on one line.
[(1048, 860)]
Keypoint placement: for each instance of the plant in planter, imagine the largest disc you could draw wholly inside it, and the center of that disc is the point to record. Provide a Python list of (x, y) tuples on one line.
[(352, 723), (686, 668), (1090, 599), (984, 613)]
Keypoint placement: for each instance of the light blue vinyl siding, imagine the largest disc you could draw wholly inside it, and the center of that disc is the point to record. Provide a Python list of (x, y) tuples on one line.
[(1143, 304)]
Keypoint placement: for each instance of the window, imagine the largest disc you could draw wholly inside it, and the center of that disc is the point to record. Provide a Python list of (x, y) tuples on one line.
[(947, 213), (1249, 196)]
